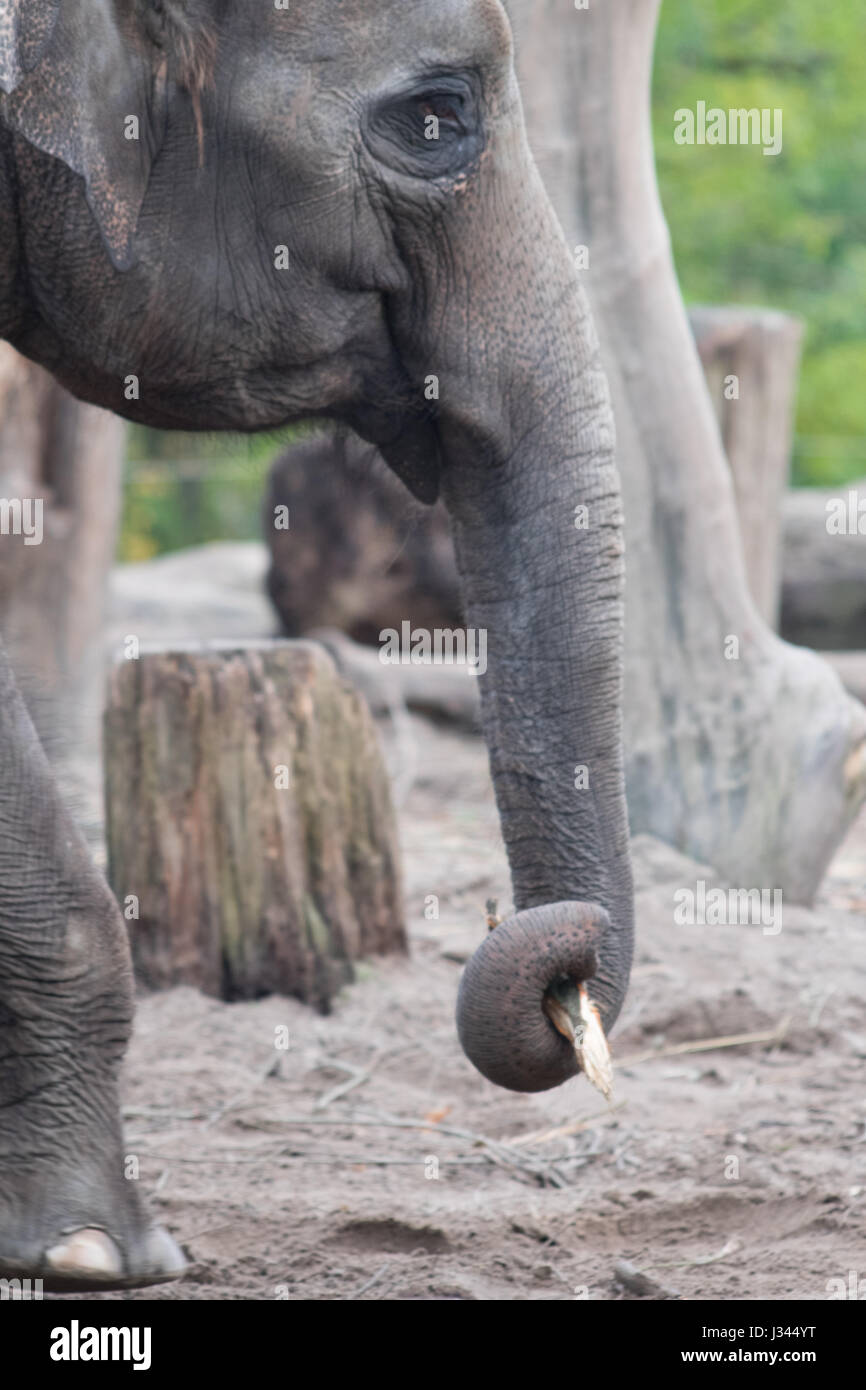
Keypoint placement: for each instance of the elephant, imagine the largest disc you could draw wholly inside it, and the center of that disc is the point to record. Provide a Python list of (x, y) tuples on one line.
[(223, 214)]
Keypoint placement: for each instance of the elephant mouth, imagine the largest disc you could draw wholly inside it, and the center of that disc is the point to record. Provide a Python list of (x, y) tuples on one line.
[(523, 1007), (417, 463)]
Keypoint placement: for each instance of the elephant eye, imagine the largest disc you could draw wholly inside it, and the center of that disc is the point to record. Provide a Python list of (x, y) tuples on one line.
[(155, 21), (429, 131), (441, 108)]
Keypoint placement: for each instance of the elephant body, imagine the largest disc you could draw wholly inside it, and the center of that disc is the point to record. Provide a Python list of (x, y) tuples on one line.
[(220, 214)]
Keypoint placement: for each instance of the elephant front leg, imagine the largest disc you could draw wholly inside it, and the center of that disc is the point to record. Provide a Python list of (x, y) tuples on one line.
[(68, 1215)]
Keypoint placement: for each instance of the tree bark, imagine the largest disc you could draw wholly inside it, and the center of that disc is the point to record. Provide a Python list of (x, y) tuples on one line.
[(249, 821), (68, 456), (751, 361), (742, 751)]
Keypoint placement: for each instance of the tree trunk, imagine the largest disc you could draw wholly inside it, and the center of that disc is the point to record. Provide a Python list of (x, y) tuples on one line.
[(250, 833), (851, 670), (824, 573), (64, 460), (742, 751), (751, 361)]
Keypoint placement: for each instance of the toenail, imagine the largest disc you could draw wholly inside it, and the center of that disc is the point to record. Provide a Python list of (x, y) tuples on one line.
[(89, 1251)]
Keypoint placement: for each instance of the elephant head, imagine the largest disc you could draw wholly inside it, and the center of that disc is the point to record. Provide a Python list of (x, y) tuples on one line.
[(233, 214)]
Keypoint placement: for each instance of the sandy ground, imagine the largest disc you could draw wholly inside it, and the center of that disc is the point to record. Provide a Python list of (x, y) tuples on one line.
[(368, 1160)]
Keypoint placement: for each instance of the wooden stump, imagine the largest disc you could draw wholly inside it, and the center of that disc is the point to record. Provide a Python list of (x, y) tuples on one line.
[(249, 821), (67, 458), (751, 360)]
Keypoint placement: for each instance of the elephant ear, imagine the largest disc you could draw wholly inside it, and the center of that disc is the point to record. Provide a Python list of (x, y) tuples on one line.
[(79, 88), (25, 30)]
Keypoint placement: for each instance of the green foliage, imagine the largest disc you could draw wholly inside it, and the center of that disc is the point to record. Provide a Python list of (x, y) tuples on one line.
[(787, 231), (186, 489)]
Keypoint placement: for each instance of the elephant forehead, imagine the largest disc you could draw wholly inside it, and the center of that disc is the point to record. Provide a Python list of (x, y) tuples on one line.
[(361, 45), (302, 92)]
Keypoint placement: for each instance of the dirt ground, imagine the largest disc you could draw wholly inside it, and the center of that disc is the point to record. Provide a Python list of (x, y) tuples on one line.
[(368, 1160)]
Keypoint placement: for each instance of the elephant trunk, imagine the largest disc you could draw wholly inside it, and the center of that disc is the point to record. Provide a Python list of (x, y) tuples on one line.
[(494, 316), (538, 533)]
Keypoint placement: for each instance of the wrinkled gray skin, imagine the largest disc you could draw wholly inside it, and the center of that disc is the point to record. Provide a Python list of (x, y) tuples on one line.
[(408, 258)]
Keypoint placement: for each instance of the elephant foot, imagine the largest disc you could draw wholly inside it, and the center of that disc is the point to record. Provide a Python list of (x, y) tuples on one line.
[(69, 1214), (70, 1209), (129, 1254)]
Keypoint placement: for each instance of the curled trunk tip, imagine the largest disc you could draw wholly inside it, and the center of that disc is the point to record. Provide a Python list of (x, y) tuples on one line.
[(501, 1022)]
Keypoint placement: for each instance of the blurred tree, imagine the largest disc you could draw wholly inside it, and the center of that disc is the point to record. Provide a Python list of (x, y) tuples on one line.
[(741, 750), (60, 464), (790, 230), (187, 489)]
